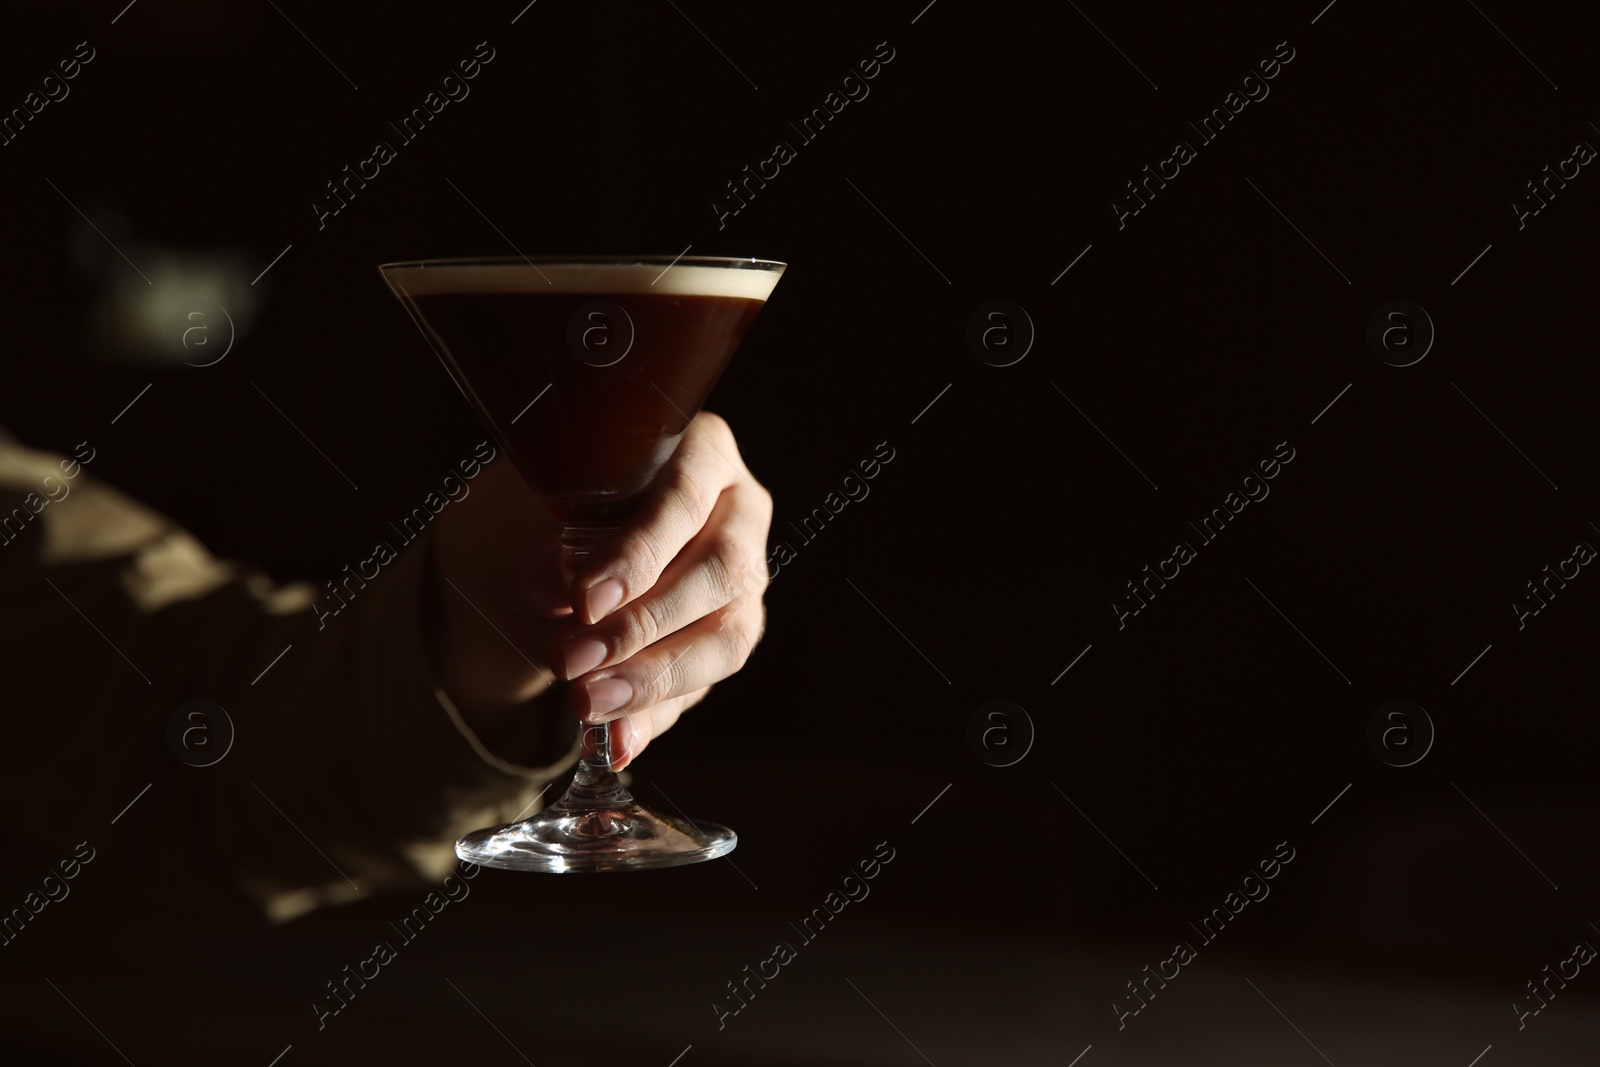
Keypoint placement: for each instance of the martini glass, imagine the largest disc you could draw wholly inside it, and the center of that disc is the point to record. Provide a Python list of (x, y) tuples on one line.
[(587, 370)]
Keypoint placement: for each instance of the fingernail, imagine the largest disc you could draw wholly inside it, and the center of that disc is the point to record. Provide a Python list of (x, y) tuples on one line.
[(583, 655), (603, 599), (607, 695)]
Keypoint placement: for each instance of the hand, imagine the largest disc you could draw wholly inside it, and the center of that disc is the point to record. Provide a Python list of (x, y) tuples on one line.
[(664, 609), (671, 604)]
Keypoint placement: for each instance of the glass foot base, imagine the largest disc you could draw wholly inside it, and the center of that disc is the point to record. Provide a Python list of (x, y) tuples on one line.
[(624, 836)]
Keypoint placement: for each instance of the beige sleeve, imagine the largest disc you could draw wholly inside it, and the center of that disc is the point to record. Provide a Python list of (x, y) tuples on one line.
[(349, 772)]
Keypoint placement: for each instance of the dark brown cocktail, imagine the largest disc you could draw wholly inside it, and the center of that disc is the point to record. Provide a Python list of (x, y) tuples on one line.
[(588, 371), (599, 430)]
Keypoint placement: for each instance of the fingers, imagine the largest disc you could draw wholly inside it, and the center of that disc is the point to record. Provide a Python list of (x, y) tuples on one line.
[(632, 734), (697, 656), (705, 467), (672, 604), (720, 565)]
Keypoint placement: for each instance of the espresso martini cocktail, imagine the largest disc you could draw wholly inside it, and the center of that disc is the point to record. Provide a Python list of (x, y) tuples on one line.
[(628, 351), (588, 370)]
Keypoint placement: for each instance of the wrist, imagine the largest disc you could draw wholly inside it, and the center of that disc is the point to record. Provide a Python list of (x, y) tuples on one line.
[(487, 659), (537, 733)]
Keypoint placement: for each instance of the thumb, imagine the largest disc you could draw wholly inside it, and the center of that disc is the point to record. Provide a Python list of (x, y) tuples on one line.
[(536, 575)]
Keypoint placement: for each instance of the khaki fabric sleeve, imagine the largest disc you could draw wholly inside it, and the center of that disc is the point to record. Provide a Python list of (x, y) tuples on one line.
[(349, 771)]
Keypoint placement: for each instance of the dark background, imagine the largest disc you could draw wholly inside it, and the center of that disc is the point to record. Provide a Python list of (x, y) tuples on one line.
[(1196, 338)]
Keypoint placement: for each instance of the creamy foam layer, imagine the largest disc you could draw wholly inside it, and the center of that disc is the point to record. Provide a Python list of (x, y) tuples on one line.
[(679, 280)]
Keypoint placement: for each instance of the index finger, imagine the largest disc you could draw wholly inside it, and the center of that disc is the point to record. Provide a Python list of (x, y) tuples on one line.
[(630, 562)]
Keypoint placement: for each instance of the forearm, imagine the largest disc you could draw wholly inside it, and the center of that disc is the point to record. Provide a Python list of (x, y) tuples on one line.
[(350, 769)]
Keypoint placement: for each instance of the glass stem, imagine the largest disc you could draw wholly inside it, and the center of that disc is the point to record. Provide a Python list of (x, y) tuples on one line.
[(577, 542), (595, 783)]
